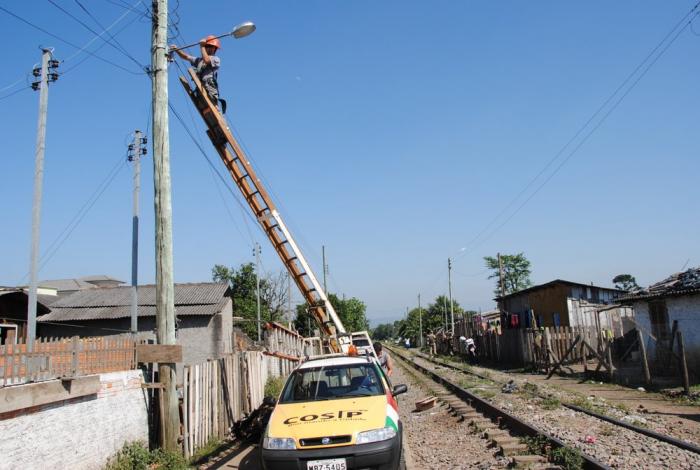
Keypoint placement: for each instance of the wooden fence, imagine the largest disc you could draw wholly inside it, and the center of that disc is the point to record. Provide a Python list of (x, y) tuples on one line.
[(220, 392), (54, 358)]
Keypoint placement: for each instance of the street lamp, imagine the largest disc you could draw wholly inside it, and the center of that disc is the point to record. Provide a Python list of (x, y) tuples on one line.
[(239, 31)]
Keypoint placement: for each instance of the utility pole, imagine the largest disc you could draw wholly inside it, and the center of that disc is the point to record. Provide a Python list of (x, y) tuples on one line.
[(449, 288), (289, 300), (325, 269), (45, 74), (420, 324), (256, 252), (136, 149), (165, 289), (500, 275)]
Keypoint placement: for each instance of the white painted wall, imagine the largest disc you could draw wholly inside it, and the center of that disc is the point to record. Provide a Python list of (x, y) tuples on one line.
[(80, 435), (685, 309)]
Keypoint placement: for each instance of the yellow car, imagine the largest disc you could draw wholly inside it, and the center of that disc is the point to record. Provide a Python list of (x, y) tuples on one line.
[(335, 413)]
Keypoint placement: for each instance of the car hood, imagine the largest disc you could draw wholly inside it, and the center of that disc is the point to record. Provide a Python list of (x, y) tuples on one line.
[(326, 418)]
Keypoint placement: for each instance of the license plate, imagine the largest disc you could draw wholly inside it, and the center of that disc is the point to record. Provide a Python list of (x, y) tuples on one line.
[(330, 464)]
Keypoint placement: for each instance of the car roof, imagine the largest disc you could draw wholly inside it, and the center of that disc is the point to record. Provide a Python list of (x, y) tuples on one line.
[(333, 361)]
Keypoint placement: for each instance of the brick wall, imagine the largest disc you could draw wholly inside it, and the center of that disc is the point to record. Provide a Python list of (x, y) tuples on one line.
[(80, 433)]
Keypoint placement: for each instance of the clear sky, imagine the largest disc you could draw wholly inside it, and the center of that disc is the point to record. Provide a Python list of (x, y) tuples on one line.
[(392, 132)]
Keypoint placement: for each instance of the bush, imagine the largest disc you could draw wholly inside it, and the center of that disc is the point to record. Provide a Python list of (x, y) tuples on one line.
[(273, 386), (136, 456)]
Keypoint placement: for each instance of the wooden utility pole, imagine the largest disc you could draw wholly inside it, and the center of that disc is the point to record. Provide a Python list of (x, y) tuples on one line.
[(256, 252), (135, 157), (420, 324), (683, 363), (500, 275), (325, 269), (449, 288), (165, 289), (36, 205)]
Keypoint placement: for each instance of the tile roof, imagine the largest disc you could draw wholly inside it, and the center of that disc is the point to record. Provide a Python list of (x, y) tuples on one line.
[(114, 302), (683, 283)]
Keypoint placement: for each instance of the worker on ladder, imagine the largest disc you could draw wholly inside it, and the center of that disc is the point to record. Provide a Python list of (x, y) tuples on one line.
[(207, 67)]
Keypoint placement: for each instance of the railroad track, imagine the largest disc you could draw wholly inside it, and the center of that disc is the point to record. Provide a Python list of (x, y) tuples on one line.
[(681, 444), (503, 429), (622, 445)]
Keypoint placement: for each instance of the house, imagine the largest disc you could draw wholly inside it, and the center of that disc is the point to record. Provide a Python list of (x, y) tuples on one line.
[(659, 306), (204, 325), (565, 303), (13, 312)]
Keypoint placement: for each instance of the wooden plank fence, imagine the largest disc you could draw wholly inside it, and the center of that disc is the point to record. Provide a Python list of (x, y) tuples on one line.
[(218, 393), (54, 358)]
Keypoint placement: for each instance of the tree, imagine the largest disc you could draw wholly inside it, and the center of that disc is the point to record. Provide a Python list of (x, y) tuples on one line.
[(383, 331), (432, 318), (625, 282), (516, 272), (352, 313), (243, 285)]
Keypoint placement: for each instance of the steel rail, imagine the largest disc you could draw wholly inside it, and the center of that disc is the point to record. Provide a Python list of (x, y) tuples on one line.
[(498, 414), (647, 432)]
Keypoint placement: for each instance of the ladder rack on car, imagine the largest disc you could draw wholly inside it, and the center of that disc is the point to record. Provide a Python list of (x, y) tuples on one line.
[(266, 213)]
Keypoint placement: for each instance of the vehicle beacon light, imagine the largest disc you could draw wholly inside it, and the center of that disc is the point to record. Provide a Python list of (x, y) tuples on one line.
[(352, 350)]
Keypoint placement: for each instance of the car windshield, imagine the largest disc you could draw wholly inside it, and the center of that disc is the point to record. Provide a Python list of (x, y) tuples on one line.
[(332, 382)]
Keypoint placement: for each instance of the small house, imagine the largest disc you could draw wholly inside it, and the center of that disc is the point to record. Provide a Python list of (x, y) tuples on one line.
[(204, 325), (565, 303), (673, 301)]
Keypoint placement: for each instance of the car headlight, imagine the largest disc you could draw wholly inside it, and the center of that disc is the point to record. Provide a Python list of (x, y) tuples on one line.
[(279, 443), (375, 435)]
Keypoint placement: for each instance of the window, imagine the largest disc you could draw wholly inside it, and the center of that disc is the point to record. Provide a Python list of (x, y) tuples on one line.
[(331, 382)]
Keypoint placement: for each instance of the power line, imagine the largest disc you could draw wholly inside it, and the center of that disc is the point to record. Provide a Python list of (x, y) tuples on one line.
[(29, 23), (99, 35), (13, 93), (651, 58)]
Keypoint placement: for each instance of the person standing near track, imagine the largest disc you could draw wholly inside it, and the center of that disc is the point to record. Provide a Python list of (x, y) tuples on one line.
[(384, 359)]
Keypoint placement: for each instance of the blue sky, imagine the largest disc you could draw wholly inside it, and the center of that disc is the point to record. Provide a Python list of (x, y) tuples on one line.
[(392, 132)]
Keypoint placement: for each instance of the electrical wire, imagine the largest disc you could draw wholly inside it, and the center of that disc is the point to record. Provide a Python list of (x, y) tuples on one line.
[(29, 23), (650, 59), (99, 35), (13, 93)]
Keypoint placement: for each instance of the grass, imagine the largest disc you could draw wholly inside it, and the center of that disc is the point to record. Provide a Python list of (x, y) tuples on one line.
[(206, 451), (136, 456), (550, 403), (536, 444), (568, 458)]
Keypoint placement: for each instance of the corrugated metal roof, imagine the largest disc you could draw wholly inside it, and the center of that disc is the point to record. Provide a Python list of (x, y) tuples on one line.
[(123, 311), (115, 302), (185, 294), (551, 283), (684, 283)]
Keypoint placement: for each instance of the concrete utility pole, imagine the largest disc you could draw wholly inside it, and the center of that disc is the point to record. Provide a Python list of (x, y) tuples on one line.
[(165, 289), (135, 151), (449, 288), (420, 324), (43, 87), (256, 252), (500, 275), (325, 269)]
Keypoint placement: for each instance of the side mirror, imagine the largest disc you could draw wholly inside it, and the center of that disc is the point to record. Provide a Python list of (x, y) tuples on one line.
[(399, 389), (269, 401)]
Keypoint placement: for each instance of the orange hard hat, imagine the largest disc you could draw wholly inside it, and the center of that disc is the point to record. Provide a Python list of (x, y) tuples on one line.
[(212, 40)]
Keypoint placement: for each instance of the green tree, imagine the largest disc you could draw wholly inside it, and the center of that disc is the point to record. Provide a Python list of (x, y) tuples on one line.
[(431, 318), (352, 313), (625, 282), (243, 285), (516, 272), (383, 331)]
